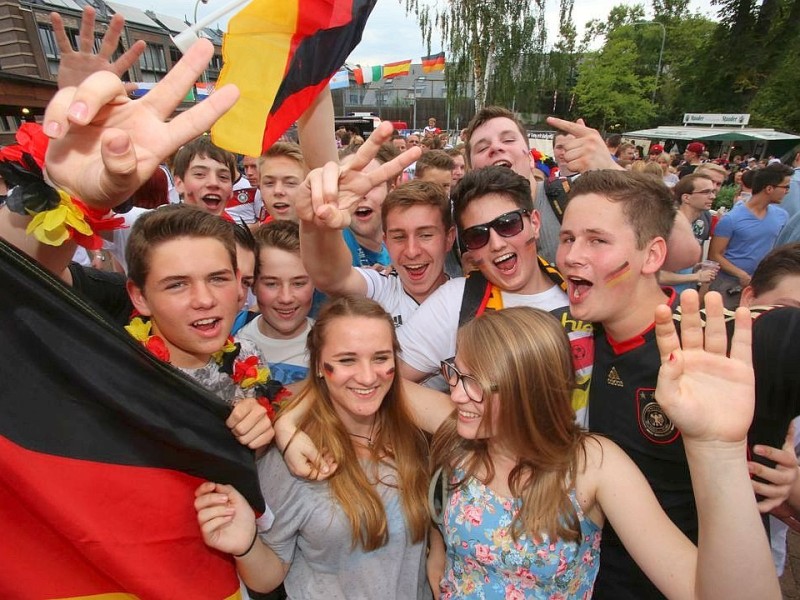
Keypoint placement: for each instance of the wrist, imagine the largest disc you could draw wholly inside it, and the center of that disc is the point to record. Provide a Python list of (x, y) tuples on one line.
[(250, 547)]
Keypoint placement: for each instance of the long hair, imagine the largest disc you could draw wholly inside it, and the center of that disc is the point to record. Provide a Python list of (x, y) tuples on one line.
[(522, 358), (397, 442)]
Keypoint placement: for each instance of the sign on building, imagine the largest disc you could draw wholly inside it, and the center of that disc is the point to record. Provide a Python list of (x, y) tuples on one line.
[(715, 119)]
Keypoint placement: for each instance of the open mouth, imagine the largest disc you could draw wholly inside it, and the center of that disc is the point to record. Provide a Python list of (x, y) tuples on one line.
[(364, 212), (578, 288), (506, 262), (280, 207), (212, 201), (286, 313), (416, 272), (206, 325), (364, 392), (502, 163)]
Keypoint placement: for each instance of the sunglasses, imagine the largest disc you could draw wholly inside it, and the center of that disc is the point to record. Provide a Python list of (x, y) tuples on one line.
[(472, 386), (506, 225)]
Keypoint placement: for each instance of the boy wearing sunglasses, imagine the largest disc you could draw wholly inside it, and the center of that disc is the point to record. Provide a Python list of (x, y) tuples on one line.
[(498, 225)]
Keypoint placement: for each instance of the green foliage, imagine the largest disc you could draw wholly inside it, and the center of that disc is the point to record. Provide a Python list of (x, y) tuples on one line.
[(725, 197)]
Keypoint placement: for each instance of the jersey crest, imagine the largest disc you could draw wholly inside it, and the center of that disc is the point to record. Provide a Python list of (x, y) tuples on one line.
[(654, 423)]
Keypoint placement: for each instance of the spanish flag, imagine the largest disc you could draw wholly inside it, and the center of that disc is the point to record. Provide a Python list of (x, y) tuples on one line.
[(281, 54), (101, 449), (397, 69), (433, 63)]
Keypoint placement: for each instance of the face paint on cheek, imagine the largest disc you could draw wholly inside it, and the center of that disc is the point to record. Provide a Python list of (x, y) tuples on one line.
[(328, 368), (618, 275), (390, 371), (531, 241)]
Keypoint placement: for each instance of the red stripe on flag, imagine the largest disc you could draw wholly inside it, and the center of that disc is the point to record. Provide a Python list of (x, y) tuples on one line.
[(79, 528)]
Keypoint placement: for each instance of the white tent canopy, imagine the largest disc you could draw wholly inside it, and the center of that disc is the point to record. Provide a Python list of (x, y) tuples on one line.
[(710, 133)]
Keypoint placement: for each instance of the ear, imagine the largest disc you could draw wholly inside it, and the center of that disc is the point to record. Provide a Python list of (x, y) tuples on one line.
[(654, 256), (138, 299), (242, 292), (450, 237), (179, 187), (748, 297), (536, 222)]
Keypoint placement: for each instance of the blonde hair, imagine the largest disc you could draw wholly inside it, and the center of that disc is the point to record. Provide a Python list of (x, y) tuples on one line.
[(397, 442), (530, 376)]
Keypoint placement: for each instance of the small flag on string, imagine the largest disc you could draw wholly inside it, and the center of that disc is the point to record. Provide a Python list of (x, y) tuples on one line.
[(367, 74), (397, 69), (340, 80), (433, 63)]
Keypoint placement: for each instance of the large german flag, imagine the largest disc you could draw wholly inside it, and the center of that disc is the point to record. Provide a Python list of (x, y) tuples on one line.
[(101, 449), (281, 54)]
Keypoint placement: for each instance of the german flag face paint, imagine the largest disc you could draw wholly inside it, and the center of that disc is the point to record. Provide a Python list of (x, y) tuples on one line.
[(618, 275)]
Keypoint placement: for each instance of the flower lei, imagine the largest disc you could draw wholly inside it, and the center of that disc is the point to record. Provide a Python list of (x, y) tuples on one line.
[(247, 373), (57, 217)]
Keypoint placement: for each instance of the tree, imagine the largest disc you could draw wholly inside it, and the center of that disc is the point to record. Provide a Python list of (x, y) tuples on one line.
[(487, 41)]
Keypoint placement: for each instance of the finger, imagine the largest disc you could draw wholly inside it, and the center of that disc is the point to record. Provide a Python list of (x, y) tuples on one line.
[(262, 439), (111, 38), (131, 57), (210, 499), (205, 488), (768, 504), (93, 94), (783, 456), (329, 182), (120, 177), (211, 521), (691, 323), (666, 335), (62, 41), (394, 167), (742, 343), (199, 119), (86, 37), (369, 149), (578, 129), (716, 338), (171, 90)]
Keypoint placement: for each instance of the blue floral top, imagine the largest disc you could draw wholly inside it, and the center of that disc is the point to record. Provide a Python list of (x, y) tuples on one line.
[(484, 561)]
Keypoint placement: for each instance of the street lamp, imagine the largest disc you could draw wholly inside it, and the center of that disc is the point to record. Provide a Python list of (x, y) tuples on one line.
[(196, 5), (416, 79), (661, 52)]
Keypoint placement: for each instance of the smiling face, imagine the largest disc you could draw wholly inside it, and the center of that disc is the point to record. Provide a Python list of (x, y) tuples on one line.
[(459, 167), (358, 366), (499, 142), (280, 180), (470, 412), (508, 262), (284, 292), (207, 184), (418, 244), (191, 293), (599, 259)]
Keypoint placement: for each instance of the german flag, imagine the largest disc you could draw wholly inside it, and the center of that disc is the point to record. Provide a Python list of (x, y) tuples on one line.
[(281, 54), (397, 69), (433, 63), (101, 449)]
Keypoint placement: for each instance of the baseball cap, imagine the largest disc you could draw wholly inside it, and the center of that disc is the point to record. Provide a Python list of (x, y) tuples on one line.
[(656, 149), (696, 147)]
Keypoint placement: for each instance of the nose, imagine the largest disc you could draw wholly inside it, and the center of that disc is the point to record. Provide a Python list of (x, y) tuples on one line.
[(366, 373), (412, 247), (202, 296), (458, 395), (285, 294), (278, 189), (496, 241), (572, 253)]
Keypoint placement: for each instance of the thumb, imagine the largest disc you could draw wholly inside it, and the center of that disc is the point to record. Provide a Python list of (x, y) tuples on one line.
[(118, 177)]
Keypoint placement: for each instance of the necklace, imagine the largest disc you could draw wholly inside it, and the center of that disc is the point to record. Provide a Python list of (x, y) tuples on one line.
[(368, 438)]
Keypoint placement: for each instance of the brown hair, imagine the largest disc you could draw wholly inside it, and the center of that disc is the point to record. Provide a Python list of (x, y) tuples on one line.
[(530, 378), (282, 235), (202, 146), (685, 185), (398, 442), (783, 261), (288, 149), (484, 115), (168, 223), (646, 202), (434, 159), (418, 193), (491, 180)]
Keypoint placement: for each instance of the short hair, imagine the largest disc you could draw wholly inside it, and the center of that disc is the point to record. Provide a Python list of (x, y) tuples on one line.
[(204, 147), (652, 168), (646, 201), (169, 223), (685, 185), (557, 134), (623, 147), (747, 177), (491, 180), (484, 115), (290, 150), (770, 175), (281, 235), (710, 167), (614, 140), (454, 152), (418, 193), (434, 159), (244, 237), (781, 262), (387, 152)]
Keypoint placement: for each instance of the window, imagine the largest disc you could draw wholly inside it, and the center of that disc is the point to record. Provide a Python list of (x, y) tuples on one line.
[(152, 62)]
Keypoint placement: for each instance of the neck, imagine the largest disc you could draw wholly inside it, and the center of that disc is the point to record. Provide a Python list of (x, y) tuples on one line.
[(640, 316), (689, 212), (420, 298), (373, 242), (758, 203)]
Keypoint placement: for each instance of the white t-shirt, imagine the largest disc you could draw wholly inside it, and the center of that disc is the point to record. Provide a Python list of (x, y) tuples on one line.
[(287, 359), (387, 290), (429, 337)]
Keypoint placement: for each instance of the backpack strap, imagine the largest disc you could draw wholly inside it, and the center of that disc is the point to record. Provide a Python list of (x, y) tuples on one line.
[(477, 291)]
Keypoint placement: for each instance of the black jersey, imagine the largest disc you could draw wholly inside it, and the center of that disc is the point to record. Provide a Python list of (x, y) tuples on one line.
[(622, 406)]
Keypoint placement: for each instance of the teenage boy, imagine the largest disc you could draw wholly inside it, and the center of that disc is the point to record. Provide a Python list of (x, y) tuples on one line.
[(613, 243), (204, 175), (418, 233), (281, 171), (284, 293), (436, 166)]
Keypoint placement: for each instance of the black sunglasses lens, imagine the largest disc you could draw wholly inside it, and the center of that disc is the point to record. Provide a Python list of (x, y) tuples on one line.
[(475, 237), (509, 224)]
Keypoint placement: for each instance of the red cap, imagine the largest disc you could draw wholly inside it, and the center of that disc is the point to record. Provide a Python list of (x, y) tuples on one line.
[(696, 147), (656, 149)]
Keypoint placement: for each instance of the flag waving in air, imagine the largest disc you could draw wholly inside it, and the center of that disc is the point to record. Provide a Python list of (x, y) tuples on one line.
[(397, 69), (281, 54), (433, 63)]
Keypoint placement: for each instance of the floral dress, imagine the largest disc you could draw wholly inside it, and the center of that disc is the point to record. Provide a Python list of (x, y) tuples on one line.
[(484, 561)]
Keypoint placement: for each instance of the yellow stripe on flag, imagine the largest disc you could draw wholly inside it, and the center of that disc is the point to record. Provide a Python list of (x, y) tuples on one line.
[(255, 53), (396, 69)]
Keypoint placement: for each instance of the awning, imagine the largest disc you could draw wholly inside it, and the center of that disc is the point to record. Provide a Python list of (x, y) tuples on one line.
[(727, 134)]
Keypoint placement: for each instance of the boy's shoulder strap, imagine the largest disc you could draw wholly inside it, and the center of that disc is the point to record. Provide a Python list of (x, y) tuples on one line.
[(477, 291)]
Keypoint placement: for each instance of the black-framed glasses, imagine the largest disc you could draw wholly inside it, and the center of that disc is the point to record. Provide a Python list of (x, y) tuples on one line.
[(783, 187), (704, 192), (472, 386), (506, 225)]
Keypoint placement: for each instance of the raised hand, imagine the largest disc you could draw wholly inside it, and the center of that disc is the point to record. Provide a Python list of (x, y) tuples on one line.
[(104, 145), (708, 396), (329, 193), (250, 424), (586, 149), (77, 65), (225, 517)]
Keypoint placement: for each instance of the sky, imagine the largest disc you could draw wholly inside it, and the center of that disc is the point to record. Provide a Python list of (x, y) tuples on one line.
[(391, 35)]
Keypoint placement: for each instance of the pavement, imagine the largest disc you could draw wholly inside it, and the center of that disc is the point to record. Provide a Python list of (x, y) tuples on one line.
[(790, 582)]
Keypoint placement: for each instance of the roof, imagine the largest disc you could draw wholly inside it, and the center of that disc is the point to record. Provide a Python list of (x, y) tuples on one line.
[(133, 15), (710, 133)]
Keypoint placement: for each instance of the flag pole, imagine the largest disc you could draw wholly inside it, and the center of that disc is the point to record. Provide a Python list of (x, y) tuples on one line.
[(188, 37)]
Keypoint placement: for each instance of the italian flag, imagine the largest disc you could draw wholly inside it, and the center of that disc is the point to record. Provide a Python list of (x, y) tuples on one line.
[(367, 74)]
